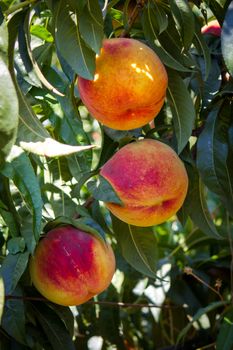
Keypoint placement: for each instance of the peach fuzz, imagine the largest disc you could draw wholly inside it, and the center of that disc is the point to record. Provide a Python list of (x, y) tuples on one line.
[(212, 27), (129, 85), (150, 180), (70, 266)]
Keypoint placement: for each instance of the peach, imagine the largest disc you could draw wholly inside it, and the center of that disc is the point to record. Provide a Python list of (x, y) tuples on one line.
[(150, 179), (129, 85), (70, 266), (212, 27)]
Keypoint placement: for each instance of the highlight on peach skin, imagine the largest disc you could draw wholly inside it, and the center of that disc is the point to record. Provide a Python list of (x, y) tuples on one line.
[(129, 85), (70, 266), (150, 179)]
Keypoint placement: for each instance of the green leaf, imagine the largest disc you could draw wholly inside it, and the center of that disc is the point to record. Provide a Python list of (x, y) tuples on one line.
[(157, 17), (214, 158), (195, 204), (16, 245), (202, 48), (184, 19), (182, 108), (103, 191), (41, 32), (70, 43), (202, 311), (53, 327), (13, 320), (19, 169), (30, 128), (225, 338), (151, 34), (138, 246), (2, 297), (86, 224), (91, 25), (227, 38), (66, 316), (12, 269), (4, 40), (8, 112)]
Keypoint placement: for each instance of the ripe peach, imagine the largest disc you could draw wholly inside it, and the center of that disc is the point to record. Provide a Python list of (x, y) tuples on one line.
[(70, 266), (150, 180), (129, 86), (212, 27)]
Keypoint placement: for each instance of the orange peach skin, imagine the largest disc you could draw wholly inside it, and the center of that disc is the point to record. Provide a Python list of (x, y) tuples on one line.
[(151, 181), (129, 86), (71, 266)]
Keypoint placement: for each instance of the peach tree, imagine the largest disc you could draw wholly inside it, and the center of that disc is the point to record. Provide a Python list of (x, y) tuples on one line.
[(62, 166)]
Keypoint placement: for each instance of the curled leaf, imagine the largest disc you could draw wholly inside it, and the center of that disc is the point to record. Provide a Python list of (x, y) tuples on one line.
[(52, 148)]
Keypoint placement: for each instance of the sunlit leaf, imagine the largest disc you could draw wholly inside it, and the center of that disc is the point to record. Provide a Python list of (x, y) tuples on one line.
[(70, 43), (8, 112), (52, 148)]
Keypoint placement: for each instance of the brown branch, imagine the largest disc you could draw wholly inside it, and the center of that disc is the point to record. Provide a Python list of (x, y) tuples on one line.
[(139, 6), (107, 303)]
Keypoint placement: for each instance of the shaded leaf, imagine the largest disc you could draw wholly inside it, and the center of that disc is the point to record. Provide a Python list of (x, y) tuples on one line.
[(202, 311), (156, 16), (91, 25), (224, 338), (182, 108), (195, 204), (66, 316), (138, 246), (52, 148), (13, 320), (214, 157), (86, 224), (149, 29), (103, 191), (227, 38), (16, 245), (184, 18), (12, 269), (53, 327), (202, 49)]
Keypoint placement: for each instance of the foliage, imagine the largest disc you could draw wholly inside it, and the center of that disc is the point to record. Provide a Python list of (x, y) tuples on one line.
[(174, 281)]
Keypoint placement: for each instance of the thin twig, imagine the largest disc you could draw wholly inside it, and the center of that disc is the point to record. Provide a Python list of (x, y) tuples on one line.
[(189, 271), (140, 4)]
